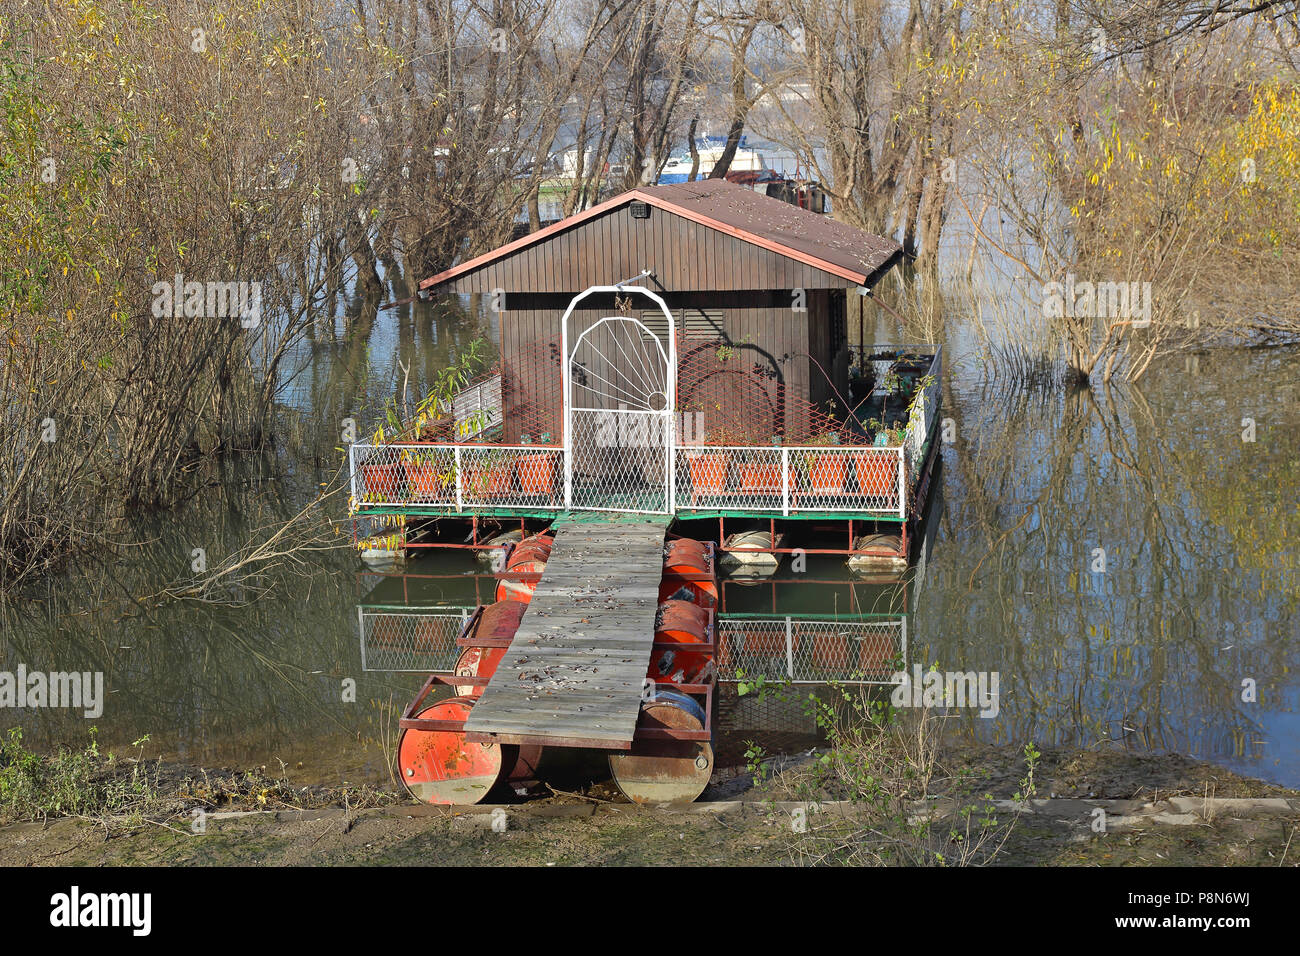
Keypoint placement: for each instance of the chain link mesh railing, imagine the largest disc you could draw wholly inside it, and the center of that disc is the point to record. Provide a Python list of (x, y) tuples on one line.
[(619, 460), (853, 479), (411, 639), (806, 650), (921, 421), (457, 477)]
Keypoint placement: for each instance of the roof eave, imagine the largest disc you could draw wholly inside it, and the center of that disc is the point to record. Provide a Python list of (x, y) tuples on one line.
[(856, 276)]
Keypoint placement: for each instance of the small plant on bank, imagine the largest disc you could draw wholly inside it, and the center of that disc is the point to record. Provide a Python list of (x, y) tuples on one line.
[(881, 769)]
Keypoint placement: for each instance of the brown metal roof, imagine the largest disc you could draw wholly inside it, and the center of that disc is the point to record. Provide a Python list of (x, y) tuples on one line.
[(807, 237)]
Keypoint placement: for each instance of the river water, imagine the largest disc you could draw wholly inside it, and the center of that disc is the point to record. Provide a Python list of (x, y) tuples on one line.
[(1185, 642)]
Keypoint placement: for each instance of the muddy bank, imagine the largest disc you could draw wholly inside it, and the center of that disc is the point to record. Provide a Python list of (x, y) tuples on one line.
[(1156, 805)]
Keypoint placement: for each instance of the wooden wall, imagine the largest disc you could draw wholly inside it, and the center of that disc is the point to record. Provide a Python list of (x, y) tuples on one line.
[(683, 255), (758, 377)]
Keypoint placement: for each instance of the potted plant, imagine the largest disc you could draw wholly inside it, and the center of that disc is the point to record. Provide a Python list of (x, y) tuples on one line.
[(762, 476), (536, 469), (824, 473), (909, 369), (426, 478), (381, 478), (877, 470), (708, 472), (862, 381), (708, 468), (489, 476)]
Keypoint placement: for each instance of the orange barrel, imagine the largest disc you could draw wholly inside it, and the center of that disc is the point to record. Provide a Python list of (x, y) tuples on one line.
[(498, 622), (528, 557), (442, 767), (665, 771), (687, 569), (679, 622)]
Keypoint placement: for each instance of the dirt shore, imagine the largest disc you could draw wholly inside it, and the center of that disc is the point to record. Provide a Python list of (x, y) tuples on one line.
[(1161, 810)]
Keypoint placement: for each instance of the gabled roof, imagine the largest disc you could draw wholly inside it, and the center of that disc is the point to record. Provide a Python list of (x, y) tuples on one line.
[(807, 237)]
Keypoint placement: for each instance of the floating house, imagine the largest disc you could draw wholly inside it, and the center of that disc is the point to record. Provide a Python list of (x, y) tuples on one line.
[(677, 350), (673, 357)]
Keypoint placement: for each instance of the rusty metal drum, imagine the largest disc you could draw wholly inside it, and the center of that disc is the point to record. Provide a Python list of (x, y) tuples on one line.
[(527, 561), (666, 771), (679, 622), (688, 573), (442, 767), (497, 624)]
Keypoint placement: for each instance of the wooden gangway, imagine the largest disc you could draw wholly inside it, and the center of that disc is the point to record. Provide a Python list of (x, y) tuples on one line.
[(575, 672)]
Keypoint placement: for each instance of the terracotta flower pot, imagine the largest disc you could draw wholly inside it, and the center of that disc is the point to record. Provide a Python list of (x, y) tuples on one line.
[(760, 478), (425, 481), (382, 480), (489, 480), (877, 473), (536, 472), (827, 474), (708, 473)]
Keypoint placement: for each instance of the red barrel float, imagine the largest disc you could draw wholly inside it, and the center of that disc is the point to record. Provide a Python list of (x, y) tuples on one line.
[(497, 624), (442, 767), (668, 771), (528, 558), (679, 622), (688, 573)]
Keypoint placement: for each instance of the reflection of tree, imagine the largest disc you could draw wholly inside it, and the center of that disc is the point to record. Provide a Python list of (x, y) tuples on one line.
[(206, 682), (1043, 478)]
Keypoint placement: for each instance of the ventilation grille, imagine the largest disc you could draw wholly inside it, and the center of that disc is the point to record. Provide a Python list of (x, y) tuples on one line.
[(640, 210), (691, 323)]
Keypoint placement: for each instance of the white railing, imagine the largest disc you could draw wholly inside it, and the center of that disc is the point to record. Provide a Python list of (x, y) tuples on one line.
[(457, 477), (791, 479), (924, 409), (412, 639), (811, 651), (637, 476), (773, 480)]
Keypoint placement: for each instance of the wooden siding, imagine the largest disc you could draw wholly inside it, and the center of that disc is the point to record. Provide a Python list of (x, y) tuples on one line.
[(778, 361), (614, 246)]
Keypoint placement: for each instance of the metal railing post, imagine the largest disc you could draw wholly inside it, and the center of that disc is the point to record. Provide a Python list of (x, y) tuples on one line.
[(789, 648), (455, 458), (902, 484), (671, 443), (785, 484), (352, 468)]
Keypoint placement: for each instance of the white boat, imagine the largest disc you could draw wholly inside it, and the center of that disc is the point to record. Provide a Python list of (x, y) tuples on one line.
[(710, 148)]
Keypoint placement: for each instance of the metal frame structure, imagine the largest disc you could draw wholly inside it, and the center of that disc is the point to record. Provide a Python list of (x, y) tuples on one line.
[(665, 415), (484, 480)]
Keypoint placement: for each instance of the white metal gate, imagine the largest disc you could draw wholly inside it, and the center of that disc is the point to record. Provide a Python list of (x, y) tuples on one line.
[(619, 383)]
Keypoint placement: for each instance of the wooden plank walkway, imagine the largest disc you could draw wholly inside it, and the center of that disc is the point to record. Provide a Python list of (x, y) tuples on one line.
[(573, 674)]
